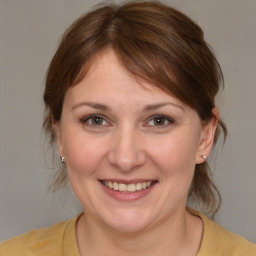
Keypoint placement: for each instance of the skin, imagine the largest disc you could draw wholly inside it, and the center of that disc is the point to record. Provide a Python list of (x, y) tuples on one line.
[(131, 142)]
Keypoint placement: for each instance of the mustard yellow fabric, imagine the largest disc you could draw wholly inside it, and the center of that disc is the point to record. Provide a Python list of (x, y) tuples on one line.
[(60, 240), (57, 240), (218, 241)]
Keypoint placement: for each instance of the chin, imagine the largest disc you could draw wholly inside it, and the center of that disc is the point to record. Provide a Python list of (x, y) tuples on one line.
[(128, 221)]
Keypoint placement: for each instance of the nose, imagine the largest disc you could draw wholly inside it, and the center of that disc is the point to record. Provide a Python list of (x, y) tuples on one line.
[(127, 151)]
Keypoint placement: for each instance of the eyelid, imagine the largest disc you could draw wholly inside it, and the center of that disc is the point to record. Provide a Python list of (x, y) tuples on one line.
[(88, 117), (168, 118)]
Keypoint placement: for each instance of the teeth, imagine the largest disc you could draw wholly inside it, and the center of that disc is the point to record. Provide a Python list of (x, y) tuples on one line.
[(138, 186), (133, 187), (110, 184), (115, 186), (122, 187)]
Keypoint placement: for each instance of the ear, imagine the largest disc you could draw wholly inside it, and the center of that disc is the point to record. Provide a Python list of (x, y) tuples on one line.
[(207, 137), (57, 129)]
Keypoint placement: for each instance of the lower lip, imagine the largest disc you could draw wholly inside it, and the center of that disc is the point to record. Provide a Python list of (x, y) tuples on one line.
[(128, 196)]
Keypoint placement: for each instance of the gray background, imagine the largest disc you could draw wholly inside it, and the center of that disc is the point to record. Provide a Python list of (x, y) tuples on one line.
[(29, 33)]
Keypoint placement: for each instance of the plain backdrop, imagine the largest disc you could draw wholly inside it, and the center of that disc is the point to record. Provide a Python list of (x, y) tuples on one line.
[(29, 34)]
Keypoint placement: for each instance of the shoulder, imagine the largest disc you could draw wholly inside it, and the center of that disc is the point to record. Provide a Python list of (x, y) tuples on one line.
[(45, 241), (219, 241), (224, 241)]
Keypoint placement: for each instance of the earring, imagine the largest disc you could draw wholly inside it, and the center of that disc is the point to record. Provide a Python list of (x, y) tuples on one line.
[(204, 157), (62, 158)]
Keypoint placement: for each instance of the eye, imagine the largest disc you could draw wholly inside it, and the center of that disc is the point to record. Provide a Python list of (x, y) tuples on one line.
[(160, 120), (95, 120)]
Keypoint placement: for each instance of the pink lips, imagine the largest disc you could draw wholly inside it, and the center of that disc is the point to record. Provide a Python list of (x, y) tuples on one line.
[(128, 196)]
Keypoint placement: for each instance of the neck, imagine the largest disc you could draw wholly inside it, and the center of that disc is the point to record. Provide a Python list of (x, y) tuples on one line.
[(177, 235)]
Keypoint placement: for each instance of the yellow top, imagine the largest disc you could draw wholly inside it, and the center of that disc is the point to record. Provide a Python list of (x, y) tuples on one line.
[(60, 240)]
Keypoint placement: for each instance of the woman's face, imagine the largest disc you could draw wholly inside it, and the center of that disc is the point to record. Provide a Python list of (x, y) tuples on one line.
[(130, 148)]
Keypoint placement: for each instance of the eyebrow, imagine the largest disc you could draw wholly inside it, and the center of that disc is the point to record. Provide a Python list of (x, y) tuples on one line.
[(147, 108), (92, 105), (159, 105)]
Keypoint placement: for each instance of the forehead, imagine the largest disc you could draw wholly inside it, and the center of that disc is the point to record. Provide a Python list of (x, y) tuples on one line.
[(109, 85), (106, 66), (107, 79)]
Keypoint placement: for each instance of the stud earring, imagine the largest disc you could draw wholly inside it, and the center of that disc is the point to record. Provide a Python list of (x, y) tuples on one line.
[(62, 158), (204, 157)]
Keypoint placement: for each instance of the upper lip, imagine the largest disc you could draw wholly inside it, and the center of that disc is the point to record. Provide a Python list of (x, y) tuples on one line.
[(128, 181)]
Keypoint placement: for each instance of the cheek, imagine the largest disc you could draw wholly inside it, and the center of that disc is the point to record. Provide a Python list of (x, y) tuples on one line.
[(176, 155), (83, 153)]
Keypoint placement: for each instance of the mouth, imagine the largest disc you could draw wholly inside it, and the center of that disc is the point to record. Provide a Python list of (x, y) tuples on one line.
[(128, 188)]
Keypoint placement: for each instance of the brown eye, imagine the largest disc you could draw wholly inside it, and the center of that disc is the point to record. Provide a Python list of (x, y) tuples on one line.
[(159, 121), (94, 120), (97, 120)]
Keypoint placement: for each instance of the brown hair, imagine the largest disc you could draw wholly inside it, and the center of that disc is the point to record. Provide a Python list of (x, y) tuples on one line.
[(155, 43)]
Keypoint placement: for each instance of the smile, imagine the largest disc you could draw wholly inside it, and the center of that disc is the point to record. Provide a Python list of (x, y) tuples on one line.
[(127, 188)]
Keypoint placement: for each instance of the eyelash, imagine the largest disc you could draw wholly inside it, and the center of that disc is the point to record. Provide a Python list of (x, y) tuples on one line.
[(167, 119), (90, 117)]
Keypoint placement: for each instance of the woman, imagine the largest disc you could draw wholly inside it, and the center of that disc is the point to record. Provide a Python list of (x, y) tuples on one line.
[(129, 101)]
